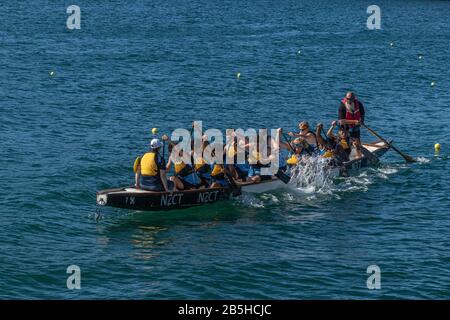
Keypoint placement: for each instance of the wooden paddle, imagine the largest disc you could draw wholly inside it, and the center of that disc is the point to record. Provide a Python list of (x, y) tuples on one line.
[(283, 176), (405, 156)]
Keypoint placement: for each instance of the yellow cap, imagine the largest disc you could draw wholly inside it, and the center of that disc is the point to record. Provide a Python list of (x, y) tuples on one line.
[(292, 160), (155, 130), (327, 154)]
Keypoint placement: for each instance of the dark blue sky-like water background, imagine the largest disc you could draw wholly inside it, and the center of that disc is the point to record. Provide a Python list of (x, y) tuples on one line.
[(135, 65)]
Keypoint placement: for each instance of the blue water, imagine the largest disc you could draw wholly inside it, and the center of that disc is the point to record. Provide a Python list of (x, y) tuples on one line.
[(140, 64)]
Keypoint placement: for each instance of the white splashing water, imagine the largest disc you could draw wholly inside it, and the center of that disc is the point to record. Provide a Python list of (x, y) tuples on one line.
[(422, 160), (312, 175), (250, 200)]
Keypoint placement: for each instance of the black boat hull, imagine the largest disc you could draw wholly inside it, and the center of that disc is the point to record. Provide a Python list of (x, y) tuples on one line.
[(131, 198)]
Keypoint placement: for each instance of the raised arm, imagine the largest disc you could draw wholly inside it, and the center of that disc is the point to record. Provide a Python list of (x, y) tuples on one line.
[(319, 137), (330, 133)]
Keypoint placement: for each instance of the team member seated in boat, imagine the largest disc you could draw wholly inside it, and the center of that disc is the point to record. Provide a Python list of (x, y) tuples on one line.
[(218, 178), (202, 168), (351, 115), (325, 148), (340, 144), (150, 170), (185, 177), (307, 136), (257, 162), (237, 170)]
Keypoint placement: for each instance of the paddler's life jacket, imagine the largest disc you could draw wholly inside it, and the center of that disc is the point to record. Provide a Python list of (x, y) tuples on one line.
[(218, 171), (187, 174), (149, 164), (344, 143), (356, 115), (182, 170), (201, 166), (342, 150)]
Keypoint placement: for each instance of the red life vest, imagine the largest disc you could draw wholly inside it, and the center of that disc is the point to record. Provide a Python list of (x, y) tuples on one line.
[(356, 115)]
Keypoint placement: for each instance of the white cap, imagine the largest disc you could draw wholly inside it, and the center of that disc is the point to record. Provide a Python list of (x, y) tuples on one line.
[(155, 144)]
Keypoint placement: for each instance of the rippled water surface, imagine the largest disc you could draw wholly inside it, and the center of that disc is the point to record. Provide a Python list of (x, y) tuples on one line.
[(141, 64)]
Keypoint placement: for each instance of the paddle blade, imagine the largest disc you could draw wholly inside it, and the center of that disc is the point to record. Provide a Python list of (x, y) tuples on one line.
[(283, 176), (405, 156)]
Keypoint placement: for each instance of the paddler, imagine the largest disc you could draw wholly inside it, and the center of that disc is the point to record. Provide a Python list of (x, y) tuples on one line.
[(202, 168), (325, 147), (236, 144), (220, 175), (150, 170), (306, 137), (351, 115), (185, 177), (339, 144), (257, 162)]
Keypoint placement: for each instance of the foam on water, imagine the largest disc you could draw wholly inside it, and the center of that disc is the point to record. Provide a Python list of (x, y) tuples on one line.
[(250, 200), (423, 160)]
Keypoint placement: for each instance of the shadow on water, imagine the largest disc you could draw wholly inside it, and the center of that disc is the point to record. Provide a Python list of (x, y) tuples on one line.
[(122, 220), (149, 232)]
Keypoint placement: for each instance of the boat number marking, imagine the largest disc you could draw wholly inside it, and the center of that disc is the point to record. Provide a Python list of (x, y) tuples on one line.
[(206, 197), (168, 200), (130, 200)]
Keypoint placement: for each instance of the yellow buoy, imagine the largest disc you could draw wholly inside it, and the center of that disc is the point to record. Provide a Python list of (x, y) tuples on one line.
[(437, 147), (155, 130), (238, 75)]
